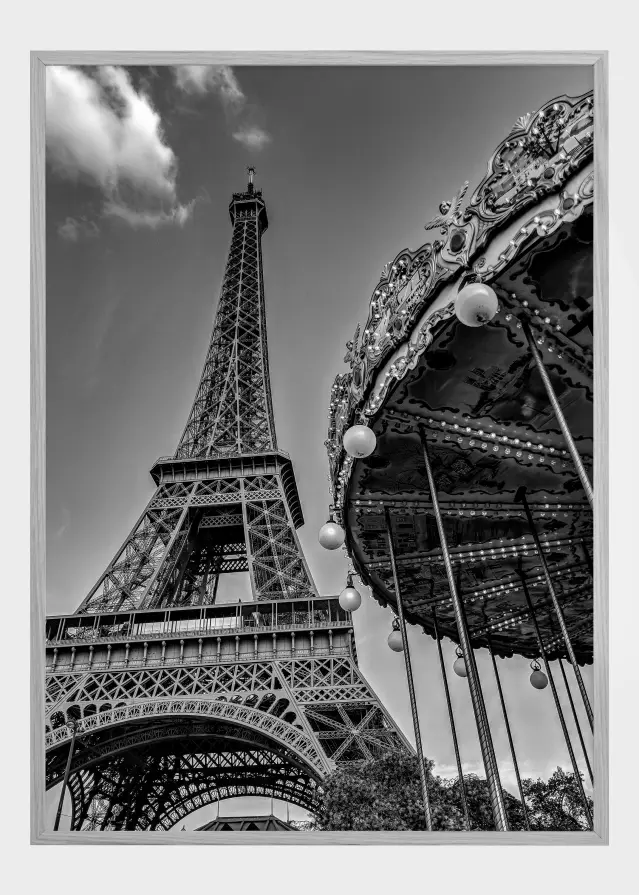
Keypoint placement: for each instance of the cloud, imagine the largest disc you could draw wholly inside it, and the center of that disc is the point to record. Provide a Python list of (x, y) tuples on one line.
[(74, 228), (199, 80), (252, 137), (220, 79), (153, 219), (97, 342), (103, 131), (65, 519)]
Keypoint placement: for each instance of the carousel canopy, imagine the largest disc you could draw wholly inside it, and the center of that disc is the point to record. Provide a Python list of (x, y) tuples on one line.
[(478, 397)]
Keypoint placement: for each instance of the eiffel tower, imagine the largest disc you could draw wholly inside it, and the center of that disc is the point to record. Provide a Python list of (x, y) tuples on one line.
[(167, 698)]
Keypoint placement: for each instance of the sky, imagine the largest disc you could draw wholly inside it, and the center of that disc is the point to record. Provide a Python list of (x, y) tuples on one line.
[(352, 161)]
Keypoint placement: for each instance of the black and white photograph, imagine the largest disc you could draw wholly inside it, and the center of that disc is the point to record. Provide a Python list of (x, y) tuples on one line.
[(321, 527)]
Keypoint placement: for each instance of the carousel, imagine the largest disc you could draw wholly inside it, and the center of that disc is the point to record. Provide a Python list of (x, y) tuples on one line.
[(461, 437)]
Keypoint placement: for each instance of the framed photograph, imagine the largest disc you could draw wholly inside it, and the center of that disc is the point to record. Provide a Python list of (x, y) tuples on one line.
[(319, 385)]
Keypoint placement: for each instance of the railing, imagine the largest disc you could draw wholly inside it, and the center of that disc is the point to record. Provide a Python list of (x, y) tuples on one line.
[(230, 455), (209, 659), (92, 635)]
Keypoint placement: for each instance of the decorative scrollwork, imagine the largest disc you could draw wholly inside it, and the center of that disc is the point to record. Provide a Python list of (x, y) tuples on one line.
[(284, 733), (450, 212), (543, 148)]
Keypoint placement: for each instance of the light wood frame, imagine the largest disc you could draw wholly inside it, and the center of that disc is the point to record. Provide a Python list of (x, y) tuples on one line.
[(39, 60)]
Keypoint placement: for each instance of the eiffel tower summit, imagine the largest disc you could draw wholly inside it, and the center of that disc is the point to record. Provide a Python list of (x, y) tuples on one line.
[(160, 697)]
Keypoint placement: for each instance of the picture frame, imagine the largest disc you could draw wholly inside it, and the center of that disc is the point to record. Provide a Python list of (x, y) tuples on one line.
[(39, 62)]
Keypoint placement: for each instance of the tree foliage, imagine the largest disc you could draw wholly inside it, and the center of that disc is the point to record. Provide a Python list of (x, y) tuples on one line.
[(556, 804), (385, 794)]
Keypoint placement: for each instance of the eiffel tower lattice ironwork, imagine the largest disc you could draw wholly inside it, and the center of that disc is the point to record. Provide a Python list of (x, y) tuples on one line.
[(181, 699)]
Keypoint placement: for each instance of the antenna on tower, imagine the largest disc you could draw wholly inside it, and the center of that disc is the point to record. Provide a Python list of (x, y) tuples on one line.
[(251, 173)]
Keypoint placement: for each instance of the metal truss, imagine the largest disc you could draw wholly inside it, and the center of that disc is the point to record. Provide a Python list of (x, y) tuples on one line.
[(310, 713), (191, 533), (278, 729), (161, 736), (152, 788), (232, 412), (278, 565), (289, 700)]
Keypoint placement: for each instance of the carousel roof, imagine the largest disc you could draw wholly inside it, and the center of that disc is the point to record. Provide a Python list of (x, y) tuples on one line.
[(476, 392)]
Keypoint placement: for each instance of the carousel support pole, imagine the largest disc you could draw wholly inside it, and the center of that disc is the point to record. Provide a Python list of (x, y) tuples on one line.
[(476, 695), (510, 737), (579, 466), (574, 714), (520, 497), (560, 714), (462, 787), (74, 728), (409, 674)]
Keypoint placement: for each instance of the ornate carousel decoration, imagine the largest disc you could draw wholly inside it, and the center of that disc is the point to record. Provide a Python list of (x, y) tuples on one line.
[(460, 441)]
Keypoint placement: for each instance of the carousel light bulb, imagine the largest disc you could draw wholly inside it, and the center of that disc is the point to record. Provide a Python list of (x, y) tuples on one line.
[(359, 441), (459, 667), (350, 598), (476, 304), (538, 679), (331, 535), (395, 641)]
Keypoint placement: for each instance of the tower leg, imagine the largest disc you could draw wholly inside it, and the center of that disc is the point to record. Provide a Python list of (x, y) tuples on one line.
[(67, 770)]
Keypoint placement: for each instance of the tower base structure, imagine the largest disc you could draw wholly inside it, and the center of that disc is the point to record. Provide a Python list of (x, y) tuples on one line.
[(183, 707)]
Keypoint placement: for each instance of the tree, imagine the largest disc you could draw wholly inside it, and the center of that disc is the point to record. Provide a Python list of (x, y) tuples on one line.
[(556, 804), (480, 810), (385, 794)]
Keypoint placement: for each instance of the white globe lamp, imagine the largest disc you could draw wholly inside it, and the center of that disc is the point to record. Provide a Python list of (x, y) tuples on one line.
[(476, 304), (359, 441), (331, 535), (459, 665), (350, 598), (538, 679), (395, 638)]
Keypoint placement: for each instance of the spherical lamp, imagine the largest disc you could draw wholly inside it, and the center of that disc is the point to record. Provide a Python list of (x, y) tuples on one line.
[(538, 679), (359, 441), (395, 638), (476, 304), (331, 535), (350, 598), (459, 665)]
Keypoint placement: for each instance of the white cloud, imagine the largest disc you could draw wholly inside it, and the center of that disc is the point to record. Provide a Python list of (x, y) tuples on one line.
[(65, 519), (179, 215), (199, 80), (74, 228), (252, 137), (102, 130), (220, 79)]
